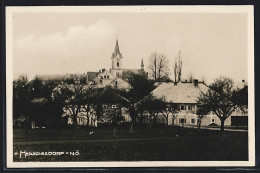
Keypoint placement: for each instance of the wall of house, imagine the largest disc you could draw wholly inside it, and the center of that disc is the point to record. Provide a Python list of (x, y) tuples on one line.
[(186, 116)]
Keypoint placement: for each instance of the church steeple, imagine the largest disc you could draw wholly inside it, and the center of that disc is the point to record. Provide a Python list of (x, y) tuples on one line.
[(116, 51), (116, 57), (142, 65)]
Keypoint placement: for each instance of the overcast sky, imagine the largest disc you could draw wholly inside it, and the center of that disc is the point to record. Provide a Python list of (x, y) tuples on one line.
[(57, 43)]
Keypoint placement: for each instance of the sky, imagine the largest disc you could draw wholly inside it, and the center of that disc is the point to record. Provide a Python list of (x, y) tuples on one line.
[(211, 44)]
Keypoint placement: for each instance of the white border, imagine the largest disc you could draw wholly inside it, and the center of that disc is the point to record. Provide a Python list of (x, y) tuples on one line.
[(133, 9)]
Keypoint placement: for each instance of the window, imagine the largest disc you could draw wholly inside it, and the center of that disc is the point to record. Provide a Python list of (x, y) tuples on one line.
[(108, 76), (182, 107), (105, 76), (189, 107), (104, 106), (101, 77), (113, 106), (213, 120), (117, 64), (192, 121), (182, 121)]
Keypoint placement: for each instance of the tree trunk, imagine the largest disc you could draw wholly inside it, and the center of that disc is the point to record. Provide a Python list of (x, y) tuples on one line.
[(75, 120), (222, 124), (150, 121), (199, 124), (87, 122)]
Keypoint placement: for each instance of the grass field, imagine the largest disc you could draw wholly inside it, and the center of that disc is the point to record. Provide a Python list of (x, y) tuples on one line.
[(156, 144)]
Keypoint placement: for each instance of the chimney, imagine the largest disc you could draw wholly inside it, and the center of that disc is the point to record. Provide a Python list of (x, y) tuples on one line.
[(243, 81), (195, 81)]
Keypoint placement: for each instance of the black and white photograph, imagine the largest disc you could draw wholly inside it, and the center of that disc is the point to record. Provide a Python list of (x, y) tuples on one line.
[(130, 86)]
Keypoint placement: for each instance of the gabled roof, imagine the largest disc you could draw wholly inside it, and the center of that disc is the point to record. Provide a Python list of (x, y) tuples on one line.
[(120, 83), (180, 93), (110, 96)]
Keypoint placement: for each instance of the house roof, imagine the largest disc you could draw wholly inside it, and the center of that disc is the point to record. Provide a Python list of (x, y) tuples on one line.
[(180, 93), (110, 96), (120, 83)]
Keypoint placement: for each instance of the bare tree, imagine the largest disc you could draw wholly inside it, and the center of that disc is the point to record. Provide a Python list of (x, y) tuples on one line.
[(166, 109), (223, 99), (158, 66), (74, 96), (177, 68)]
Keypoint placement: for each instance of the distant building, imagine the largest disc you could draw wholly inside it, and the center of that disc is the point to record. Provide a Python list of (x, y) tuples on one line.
[(106, 105), (117, 76)]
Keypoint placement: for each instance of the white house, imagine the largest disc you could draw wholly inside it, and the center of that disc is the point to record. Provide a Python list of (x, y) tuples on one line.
[(184, 96)]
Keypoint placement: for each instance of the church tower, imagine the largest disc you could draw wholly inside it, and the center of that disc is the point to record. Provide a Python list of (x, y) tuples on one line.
[(116, 61), (142, 65)]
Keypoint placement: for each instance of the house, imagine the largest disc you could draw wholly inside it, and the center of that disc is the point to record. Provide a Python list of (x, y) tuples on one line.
[(184, 97), (102, 107), (238, 117)]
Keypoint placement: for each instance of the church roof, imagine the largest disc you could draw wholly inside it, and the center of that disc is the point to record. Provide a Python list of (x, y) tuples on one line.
[(127, 72), (135, 71)]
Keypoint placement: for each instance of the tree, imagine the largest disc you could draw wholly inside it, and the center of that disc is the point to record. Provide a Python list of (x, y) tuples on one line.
[(167, 109), (74, 96), (177, 68), (222, 99), (21, 97), (158, 67), (140, 87), (202, 111), (153, 106)]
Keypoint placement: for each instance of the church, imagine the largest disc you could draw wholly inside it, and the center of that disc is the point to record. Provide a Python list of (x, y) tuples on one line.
[(116, 76)]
